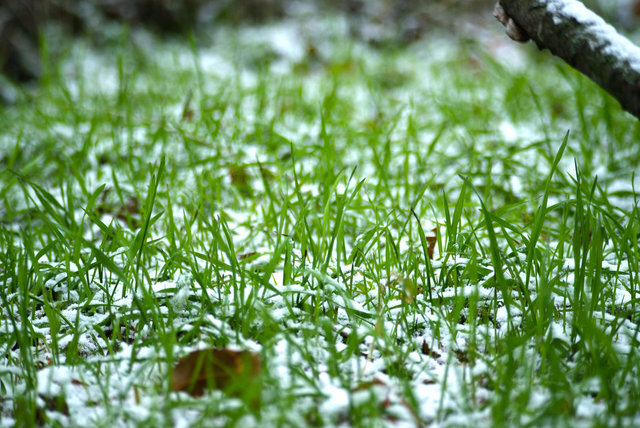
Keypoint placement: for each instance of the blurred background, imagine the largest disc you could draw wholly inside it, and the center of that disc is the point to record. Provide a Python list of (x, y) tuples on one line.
[(25, 25)]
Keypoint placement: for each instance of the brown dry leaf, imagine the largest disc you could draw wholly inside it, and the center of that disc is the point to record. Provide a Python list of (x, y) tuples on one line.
[(131, 208), (78, 382), (187, 111), (188, 115), (241, 179), (128, 213), (426, 350), (431, 242), (234, 372), (246, 255), (368, 385)]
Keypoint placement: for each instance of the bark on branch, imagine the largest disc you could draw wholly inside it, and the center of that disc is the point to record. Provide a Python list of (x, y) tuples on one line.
[(582, 39)]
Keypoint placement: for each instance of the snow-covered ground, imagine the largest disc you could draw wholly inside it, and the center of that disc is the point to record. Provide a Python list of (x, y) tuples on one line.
[(373, 333)]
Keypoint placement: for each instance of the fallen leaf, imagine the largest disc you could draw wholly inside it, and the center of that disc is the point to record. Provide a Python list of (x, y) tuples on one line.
[(78, 382), (463, 356), (246, 255), (131, 207), (241, 179), (128, 213), (431, 242), (368, 385), (426, 350), (187, 111), (234, 372)]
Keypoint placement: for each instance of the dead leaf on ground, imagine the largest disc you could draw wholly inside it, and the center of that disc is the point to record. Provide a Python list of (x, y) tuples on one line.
[(368, 385), (431, 242), (234, 372), (187, 111), (128, 213), (426, 350), (246, 255), (241, 179)]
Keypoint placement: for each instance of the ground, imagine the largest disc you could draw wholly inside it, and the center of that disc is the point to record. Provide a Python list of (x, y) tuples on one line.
[(442, 234)]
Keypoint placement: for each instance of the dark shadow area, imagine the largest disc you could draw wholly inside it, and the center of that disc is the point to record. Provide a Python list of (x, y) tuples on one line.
[(379, 22)]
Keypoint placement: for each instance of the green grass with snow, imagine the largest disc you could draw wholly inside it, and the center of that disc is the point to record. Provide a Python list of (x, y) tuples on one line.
[(276, 190)]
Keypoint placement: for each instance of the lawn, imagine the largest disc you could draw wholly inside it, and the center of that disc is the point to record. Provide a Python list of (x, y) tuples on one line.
[(440, 234)]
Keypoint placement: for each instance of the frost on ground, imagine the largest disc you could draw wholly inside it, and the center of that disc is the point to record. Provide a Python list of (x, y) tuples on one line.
[(319, 240)]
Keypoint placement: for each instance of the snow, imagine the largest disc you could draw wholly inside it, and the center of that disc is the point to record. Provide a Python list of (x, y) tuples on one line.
[(610, 41), (125, 379)]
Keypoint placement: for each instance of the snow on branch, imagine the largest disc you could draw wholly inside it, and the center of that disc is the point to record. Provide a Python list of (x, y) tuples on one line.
[(582, 39)]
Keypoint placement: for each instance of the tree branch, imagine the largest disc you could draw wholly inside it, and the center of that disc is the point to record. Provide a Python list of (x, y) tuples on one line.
[(582, 39)]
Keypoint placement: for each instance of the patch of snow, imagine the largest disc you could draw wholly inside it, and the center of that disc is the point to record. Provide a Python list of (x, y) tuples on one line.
[(610, 42)]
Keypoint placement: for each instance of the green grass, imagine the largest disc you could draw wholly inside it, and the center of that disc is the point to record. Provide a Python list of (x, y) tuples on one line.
[(157, 198)]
